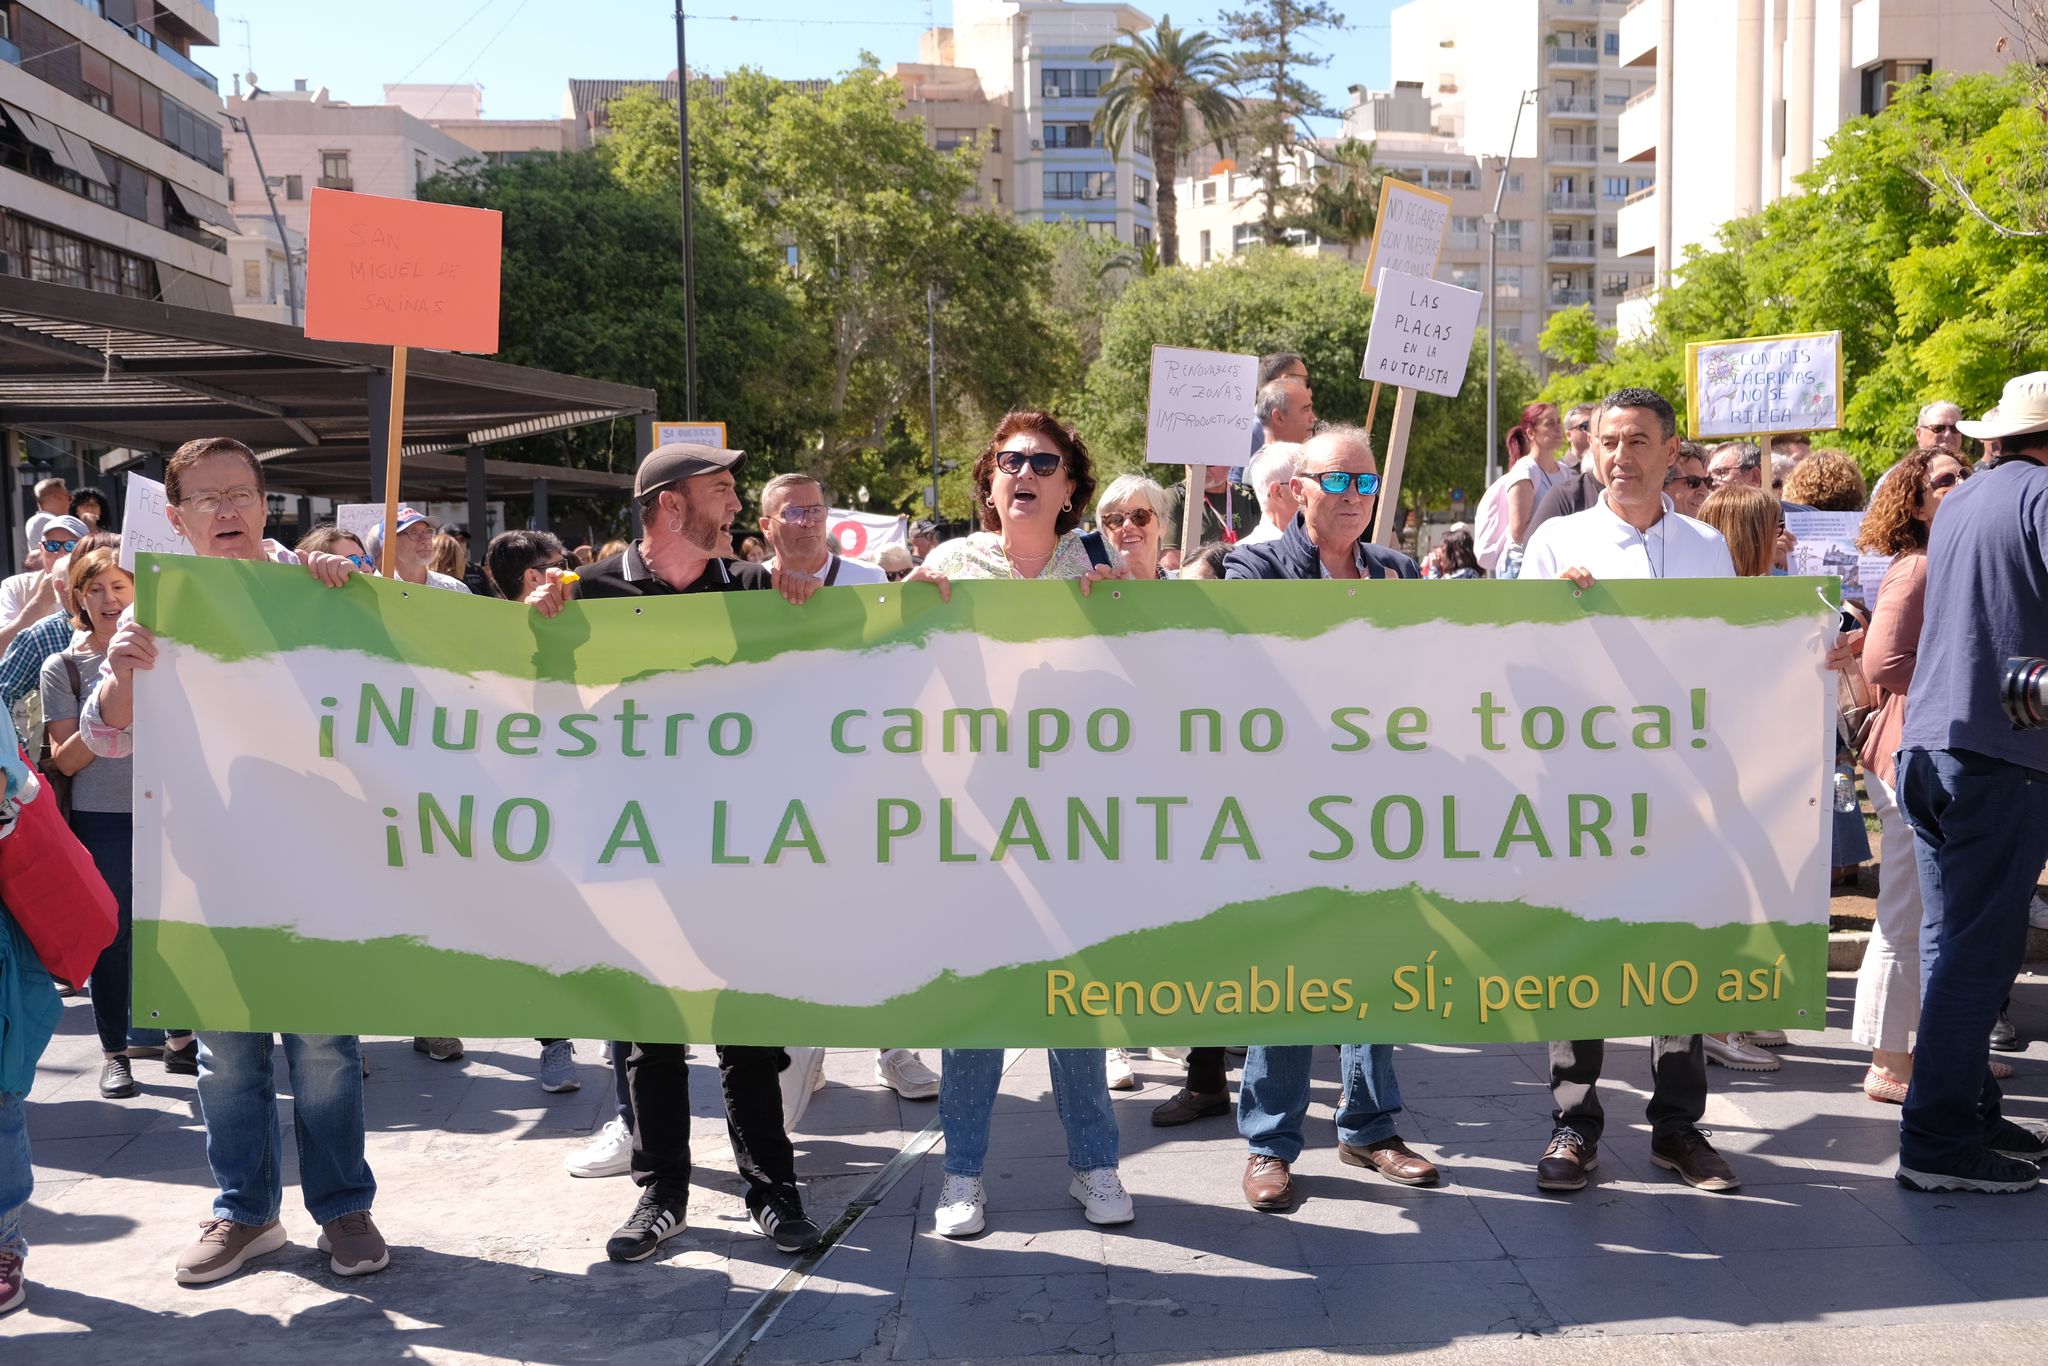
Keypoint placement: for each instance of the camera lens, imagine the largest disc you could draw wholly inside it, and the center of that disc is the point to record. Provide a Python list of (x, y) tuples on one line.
[(2024, 692)]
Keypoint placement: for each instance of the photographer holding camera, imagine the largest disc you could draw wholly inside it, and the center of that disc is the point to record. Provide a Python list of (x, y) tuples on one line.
[(1974, 788)]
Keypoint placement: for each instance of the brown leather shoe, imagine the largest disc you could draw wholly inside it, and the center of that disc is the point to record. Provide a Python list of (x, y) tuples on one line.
[(1566, 1161), (1188, 1106), (1268, 1184), (1688, 1153), (1393, 1159)]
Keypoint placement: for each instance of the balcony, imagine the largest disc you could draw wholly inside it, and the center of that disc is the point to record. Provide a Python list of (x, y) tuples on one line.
[(1574, 107), (1641, 27), (1571, 201), (1570, 251), (1573, 153), (336, 182), (1570, 298), (1635, 227), (1636, 135), (171, 55), (1563, 53)]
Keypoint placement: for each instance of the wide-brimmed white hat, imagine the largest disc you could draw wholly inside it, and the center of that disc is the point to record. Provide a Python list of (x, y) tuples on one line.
[(2022, 408)]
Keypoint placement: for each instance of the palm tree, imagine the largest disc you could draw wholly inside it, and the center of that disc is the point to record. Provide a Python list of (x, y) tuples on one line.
[(1157, 79), (1344, 203)]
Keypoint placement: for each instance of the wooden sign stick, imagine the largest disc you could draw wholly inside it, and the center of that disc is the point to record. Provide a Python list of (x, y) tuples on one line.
[(394, 440), (1372, 407), (1191, 511), (1389, 511)]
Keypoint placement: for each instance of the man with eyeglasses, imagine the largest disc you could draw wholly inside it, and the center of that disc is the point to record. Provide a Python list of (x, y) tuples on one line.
[(793, 518), (413, 547), (1338, 485), (1937, 429)]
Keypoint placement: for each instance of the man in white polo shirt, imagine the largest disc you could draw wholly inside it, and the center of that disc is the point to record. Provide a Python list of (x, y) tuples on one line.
[(1632, 532)]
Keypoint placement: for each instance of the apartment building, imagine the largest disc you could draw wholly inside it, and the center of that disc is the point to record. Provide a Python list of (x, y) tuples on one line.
[(1220, 209), (268, 271), (111, 165), (1018, 77), (1747, 93), (458, 111), (1557, 65)]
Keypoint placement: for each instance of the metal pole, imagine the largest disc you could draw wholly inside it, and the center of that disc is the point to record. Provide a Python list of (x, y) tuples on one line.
[(931, 351), (284, 241), (689, 269), (1500, 190)]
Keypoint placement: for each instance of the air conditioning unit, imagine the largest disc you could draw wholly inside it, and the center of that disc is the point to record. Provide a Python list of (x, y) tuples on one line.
[(1037, 145), (1052, 92)]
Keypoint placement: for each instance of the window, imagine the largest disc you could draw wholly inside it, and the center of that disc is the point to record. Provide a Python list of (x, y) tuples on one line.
[(997, 194), (1245, 236), (995, 139), (334, 165), (1613, 284), (1644, 182), (252, 279), (1607, 235), (1205, 247), (1141, 189), (44, 253), (294, 187), (1140, 235), (1511, 334), (953, 139), (1514, 182), (1507, 282), (1079, 185), (1614, 94), (1208, 192), (1467, 277), (1510, 234), (1069, 135), (789, 255), (1614, 187), (419, 167), (1072, 82), (1610, 43)]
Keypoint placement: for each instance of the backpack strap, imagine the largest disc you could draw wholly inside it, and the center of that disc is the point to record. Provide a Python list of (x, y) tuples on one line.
[(1097, 548)]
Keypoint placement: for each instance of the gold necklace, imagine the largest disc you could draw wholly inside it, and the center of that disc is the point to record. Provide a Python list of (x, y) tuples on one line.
[(1042, 560)]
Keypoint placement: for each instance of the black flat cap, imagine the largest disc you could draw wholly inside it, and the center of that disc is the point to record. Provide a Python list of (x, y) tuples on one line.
[(680, 460)]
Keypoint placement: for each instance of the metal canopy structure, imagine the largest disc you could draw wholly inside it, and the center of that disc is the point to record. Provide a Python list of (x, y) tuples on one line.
[(122, 372)]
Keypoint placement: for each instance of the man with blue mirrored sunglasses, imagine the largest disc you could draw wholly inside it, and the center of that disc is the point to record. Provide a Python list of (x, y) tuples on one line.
[(1338, 484)]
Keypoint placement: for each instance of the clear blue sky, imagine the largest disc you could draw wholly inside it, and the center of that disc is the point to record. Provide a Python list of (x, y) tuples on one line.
[(523, 52)]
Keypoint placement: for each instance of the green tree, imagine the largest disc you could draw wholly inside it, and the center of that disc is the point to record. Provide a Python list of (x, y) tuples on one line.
[(1344, 198), (1276, 51), (1155, 81)]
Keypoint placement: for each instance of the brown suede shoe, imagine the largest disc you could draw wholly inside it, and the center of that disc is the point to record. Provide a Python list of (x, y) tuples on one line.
[(1188, 1106), (1393, 1159), (1268, 1184), (1688, 1153)]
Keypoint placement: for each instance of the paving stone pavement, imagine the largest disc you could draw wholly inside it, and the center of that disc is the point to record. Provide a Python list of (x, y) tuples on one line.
[(497, 1254)]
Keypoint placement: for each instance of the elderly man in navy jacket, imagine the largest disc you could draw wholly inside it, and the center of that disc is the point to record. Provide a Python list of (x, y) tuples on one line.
[(1338, 485)]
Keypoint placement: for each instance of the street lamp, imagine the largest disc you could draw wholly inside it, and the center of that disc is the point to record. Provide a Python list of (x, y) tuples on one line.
[(1492, 220)]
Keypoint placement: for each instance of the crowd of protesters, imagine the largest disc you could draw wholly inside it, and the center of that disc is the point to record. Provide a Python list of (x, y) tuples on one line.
[(1604, 491)]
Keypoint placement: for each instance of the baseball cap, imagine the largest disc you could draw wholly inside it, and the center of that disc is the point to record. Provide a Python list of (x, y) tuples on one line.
[(680, 460), (409, 517)]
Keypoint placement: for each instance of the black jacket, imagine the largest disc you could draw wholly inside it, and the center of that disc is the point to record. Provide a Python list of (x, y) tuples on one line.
[(1294, 556)]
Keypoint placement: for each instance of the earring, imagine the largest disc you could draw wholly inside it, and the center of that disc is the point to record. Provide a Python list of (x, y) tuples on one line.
[(675, 524), (1068, 506)]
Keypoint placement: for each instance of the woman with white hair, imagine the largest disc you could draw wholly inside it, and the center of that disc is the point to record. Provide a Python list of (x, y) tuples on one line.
[(1132, 513)]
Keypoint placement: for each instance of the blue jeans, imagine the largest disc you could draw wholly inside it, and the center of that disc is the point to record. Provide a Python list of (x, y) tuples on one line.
[(243, 1146), (1272, 1097), (109, 837), (1980, 828), (17, 1177), (1080, 1088)]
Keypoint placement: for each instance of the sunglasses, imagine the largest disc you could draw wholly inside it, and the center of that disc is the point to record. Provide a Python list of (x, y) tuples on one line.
[(897, 575), (1580, 427), (1695, 482), (1941, 428), (362, 562), (813, 515), (1137, 517), (1044, 464), (1340, 481), (1939, 481), (59, 547)]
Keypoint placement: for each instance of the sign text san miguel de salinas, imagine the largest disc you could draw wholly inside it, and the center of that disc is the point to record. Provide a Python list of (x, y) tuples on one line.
[(1168, 813)]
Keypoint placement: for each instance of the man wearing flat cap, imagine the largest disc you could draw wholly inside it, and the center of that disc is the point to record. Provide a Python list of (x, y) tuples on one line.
[(688, 496), (1974, 789)]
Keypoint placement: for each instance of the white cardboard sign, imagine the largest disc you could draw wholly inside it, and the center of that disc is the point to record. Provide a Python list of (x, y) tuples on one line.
[(1408, 235), (145, 525), (1756, 385), (1421, 334), (1201, 407), (358, 519)]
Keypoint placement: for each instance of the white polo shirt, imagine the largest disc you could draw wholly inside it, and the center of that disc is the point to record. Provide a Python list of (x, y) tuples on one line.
[(1600, 542)]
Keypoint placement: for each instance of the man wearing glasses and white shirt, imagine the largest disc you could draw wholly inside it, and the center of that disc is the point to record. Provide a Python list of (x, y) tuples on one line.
[(1632, 532)]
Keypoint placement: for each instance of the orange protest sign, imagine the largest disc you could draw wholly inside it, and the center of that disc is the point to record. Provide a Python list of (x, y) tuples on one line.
[(398, 272)]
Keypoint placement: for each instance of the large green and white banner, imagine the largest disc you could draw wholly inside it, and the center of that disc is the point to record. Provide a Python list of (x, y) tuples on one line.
[(1173, 813)]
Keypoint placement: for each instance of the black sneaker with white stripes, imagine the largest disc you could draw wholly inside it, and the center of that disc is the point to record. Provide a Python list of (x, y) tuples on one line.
[(782, 1221), (656, 1219)]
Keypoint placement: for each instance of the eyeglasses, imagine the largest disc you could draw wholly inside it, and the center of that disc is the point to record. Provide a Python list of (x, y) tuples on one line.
[(896, 575), (242, 496), (1137, 517), (1340, 481), (1695, 482), (1941, 428), (802, 516), (59, 547), (1044, 464), (1580, 427), (1939, 481), (565, 564)]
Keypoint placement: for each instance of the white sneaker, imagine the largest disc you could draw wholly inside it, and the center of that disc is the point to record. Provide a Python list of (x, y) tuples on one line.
[(1102, 1194), (558, 1067), (1739, 1054), (903, 1072), (800, 1080), (2037, 913), (962, 1207), (1121, 1078), (610, 1153)]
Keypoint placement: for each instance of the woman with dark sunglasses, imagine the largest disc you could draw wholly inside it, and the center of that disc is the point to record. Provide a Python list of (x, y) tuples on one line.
[(1030, 484)]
